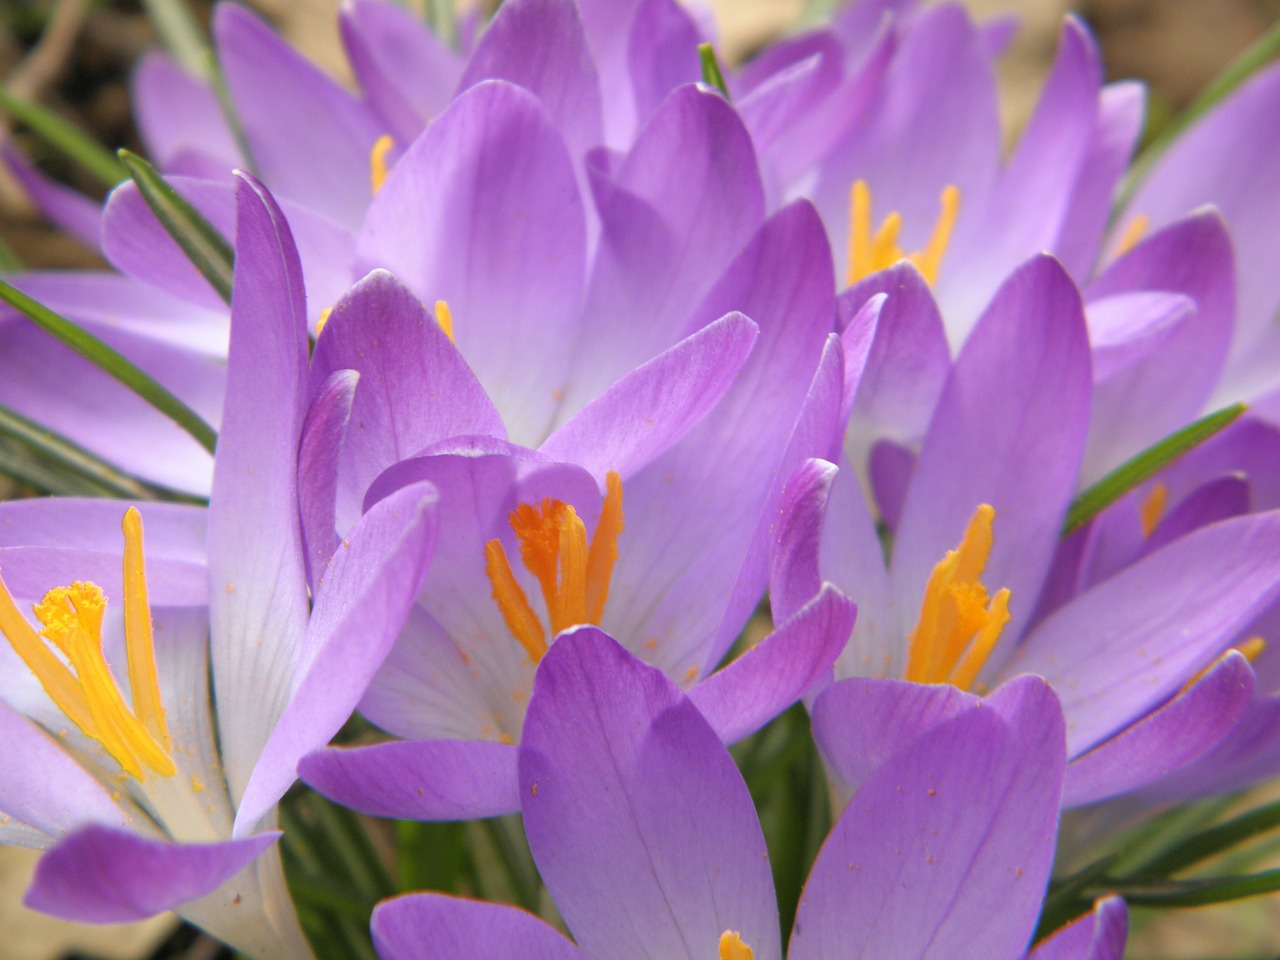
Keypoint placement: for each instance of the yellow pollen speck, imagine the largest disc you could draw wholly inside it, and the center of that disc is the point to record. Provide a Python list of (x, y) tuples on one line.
[(690, 674), (959, 625), (533, 790), (572, 571), (444, 318), (1153, 507), (732, 947), (196, 785), (137, 738), (872, 252), (1132, 234), (378, 161)]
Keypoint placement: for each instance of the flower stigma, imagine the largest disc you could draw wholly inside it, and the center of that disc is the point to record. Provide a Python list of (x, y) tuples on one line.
[(573, 572), (959, 625), (137, 738), (378, 161), (869, 253), (732, 947)]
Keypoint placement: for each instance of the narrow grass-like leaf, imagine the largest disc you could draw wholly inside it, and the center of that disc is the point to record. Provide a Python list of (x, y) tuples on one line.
[(1194, 893), (1262, 52), (72, 141), (113, 363), (1145, 465), (51, 463), (180, 33), (1213, 841), (204, 246), (712, 75)]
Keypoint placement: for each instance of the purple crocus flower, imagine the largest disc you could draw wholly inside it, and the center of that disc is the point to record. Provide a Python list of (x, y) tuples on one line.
[(984, 505), (646, 836), (188, 821)]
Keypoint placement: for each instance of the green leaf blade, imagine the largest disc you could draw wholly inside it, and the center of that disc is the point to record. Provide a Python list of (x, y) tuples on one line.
[(112, 363), (1145, 465), (64, 137), (206, 248)]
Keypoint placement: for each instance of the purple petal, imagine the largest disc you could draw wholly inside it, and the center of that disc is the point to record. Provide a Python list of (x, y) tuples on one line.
[(684, 204), (419, 779), (102, 875), (1125, 646), (323, 431), (794, 574), (1099, 935), (407, 74), (361, 602), (75, 213), (43, 787), (540, 45), (174, 531), (1249, 754), (1119, 123), (257, 573), (1170, 738), (1009, 431), (662, 53), (1216, 500), (431, 926), (757, 686), (1156, 396), (177, 113), (635, 813), (861, 724), (508, 260), (656, 404), (415, 388), (889, 470), (1128, 327), (908, 364), (963, 819), (293, 115)]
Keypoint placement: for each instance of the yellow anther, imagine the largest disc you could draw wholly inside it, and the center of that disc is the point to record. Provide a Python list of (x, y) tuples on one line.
[(572, 571), (1152, 509), (444, 318), (1132, 234), (324, 318), (90, 697), (378, 161), (732, 947), (870, 253), (959, 625)]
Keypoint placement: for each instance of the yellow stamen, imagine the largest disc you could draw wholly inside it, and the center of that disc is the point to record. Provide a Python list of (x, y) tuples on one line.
[(959, 624), (1152, 509), (444, 318), (378, 161), (90, 697), (1132, 234), (732, 947), (324, 318), (572, 571), (870, 253)]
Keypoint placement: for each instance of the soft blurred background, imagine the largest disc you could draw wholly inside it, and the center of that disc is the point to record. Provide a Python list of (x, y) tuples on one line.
[(75, 56)]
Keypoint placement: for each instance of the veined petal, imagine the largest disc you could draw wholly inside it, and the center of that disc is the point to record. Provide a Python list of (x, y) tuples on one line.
[(431, 926), (419, 779), (612, 759), (258, 602)]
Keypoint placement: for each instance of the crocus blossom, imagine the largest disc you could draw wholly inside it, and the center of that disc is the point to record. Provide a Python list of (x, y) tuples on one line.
[(984, 505), (645, 834), (187, 821)]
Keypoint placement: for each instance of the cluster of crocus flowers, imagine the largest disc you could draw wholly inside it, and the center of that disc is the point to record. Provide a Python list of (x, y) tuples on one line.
[(533, 387)]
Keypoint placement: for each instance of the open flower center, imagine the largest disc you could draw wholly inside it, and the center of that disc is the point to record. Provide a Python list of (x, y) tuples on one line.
[(572, 571), (732, 947), (871, 252), (959, 624), (80, 682)]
